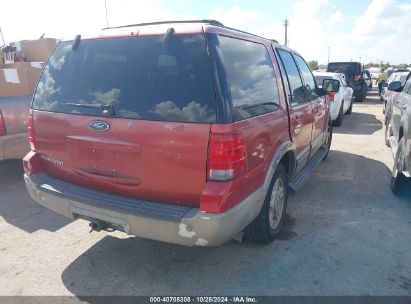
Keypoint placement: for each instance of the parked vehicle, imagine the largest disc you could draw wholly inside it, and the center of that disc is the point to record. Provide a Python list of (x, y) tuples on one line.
[(353, 76), (14, 142), (183, 132), (367, 77), (388, 71), (398, 135), (374, 72), (340, 101), (390, 95)]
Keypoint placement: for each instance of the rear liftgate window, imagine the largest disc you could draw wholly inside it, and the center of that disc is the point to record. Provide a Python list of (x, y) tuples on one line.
[(137, 77), (350, 69)]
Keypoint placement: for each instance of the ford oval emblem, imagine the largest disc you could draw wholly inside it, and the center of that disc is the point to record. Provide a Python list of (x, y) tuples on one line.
[(99, 125)]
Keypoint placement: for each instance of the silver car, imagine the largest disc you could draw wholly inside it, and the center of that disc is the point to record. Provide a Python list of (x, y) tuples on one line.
[(390, 95), (398, 134)]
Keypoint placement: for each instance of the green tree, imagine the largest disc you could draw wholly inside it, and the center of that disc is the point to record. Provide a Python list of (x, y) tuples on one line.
[(313, 64)]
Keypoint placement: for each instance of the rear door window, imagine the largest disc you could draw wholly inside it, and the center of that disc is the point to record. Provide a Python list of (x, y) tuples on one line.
[(251, 77), (134, 77), (309, 82), (403, 79), (294, 79)]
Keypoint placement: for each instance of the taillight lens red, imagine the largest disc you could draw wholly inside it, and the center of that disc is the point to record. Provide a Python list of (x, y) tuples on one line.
[(32, 164), (331, 95), (2, 125), (31, 133), (226, 156)]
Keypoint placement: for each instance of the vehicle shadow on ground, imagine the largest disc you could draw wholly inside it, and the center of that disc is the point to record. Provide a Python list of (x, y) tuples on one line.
[(135, 266), (16, 206), (359, 124)]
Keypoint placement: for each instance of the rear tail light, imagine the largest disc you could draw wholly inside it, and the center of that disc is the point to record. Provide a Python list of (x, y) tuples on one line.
[(331, 95), (31, 133), (226, 156), (32, 163), (2, 125), (357, 77)]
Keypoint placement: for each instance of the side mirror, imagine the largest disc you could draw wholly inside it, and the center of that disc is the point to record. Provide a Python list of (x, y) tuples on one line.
[(395, 86), (331, 85)]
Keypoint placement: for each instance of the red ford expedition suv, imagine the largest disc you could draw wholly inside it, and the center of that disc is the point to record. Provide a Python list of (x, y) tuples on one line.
[(184, 132)]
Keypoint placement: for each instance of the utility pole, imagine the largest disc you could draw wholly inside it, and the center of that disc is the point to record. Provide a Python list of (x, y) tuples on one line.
[(286, 36), (2, 37), (329, 51), (105, 4)]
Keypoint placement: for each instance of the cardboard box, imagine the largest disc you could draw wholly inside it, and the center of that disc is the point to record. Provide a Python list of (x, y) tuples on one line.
[(19, 78), (36, 50)]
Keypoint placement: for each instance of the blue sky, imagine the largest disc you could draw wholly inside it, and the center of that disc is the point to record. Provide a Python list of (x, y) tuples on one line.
[(350, 28)]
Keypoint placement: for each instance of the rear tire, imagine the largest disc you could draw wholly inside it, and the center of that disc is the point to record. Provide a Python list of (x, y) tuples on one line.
[(328, 139), (398, 179), (268, 224), (349, 111), (388, 132), (340, 117)]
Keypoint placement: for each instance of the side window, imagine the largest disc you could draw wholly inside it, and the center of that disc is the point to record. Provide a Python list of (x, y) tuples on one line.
[(294, 79), (251, 77), (308, 77), (407, 86), (342, 81)]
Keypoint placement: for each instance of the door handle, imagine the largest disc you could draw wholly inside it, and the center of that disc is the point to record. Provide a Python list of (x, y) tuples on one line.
[(295, 120)]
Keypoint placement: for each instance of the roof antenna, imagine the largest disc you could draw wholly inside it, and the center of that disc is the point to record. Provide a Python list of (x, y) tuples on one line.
[(167, 37), (76, 42)]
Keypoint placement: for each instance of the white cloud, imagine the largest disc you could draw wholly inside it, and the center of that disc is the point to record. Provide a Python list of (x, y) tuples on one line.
[(307, 28), (235, 16), (380, 34), (334, 18), (66, 19), (192, 112)]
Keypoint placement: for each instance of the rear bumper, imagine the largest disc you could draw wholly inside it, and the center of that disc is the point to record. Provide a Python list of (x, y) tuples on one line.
[(158, 221), (14, 146)]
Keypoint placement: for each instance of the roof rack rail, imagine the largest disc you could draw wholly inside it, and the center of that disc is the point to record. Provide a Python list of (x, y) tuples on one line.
[(248, 33), (209, 21)]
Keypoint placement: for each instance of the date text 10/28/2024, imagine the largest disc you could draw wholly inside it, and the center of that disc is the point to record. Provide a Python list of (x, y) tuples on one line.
[(204, 299)]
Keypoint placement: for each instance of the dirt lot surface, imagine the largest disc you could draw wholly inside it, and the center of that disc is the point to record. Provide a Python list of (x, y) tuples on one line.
[(346, 234)]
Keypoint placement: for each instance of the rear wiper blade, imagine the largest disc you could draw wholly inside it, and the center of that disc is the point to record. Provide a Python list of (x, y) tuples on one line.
[(107, 108)]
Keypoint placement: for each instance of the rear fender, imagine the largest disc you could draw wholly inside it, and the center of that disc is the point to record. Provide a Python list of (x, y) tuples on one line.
[(287, 146)]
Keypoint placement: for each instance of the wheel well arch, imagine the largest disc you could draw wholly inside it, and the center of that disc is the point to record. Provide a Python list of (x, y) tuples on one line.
[(401, 133), (288, 160)]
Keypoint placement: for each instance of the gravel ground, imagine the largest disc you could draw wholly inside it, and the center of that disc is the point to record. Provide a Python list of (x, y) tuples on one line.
[(346, 234)]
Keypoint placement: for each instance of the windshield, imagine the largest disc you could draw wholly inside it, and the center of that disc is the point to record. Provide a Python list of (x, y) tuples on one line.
[(135, 77)]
